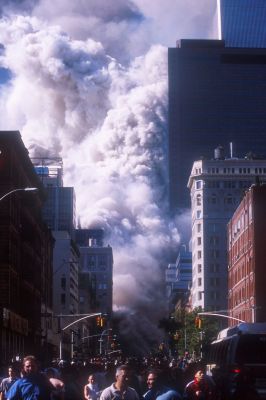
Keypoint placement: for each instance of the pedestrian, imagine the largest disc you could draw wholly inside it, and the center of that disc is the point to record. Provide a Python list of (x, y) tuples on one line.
[(201, 388), (91, 389), (119, 390), (58, 385), (6, 383), (33, 385), (157, 390)]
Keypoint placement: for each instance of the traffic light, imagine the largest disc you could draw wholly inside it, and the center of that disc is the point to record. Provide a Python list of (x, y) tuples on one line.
[(198, 322), (102, 321), (98, 321)]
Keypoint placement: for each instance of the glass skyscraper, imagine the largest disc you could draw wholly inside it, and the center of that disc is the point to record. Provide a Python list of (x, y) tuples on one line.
[(217, 95), (242, 23)]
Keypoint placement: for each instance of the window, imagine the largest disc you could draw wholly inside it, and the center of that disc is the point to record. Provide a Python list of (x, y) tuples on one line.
[(198, 228), (199, 268), (63, 283), (102, 260), (214, 240), (199, 281), (199, 254), (213, 199), (199, 295), (198, 214), (215, 253), (91, 261), (214, 282), (228, 199), (198, 200), (63, 299), (199, 241), (214, 295), (213, 227), (102, 286), (214, 267), (198, 184)]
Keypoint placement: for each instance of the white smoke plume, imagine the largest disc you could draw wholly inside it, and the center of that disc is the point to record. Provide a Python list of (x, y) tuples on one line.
[(89, 84)]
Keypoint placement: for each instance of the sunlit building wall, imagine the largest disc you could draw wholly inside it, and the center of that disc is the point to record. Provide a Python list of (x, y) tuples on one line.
[(217, 187), (246, 258)]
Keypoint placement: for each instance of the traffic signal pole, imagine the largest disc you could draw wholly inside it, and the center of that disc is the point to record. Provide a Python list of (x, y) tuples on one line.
[(69, 325), (220, 315)]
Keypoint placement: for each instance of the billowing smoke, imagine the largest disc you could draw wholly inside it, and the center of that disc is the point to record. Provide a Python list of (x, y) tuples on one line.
[(87, 86)]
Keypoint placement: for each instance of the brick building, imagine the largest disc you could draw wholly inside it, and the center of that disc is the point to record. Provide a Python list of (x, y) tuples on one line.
[(246, 258), (25, 254)]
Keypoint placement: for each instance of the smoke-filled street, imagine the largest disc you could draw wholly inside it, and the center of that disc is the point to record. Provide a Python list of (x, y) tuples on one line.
[(88, 82)]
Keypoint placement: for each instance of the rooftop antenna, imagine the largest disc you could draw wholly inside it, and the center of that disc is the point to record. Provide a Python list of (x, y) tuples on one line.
[(231, 149)]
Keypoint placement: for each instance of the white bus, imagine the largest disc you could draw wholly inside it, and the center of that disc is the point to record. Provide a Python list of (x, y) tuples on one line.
[(237, 350)]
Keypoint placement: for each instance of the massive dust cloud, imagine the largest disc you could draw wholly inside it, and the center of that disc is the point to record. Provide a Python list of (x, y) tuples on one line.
[(88, 82)]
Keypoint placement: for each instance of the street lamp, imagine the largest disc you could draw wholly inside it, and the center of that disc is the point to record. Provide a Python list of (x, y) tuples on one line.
[(73, 323), (26, 189)]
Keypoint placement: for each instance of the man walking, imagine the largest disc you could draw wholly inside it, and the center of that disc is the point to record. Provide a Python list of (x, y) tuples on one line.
[(33, 385), (119, 390)]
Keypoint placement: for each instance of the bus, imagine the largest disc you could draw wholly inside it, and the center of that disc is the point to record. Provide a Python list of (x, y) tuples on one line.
[(237, 351)]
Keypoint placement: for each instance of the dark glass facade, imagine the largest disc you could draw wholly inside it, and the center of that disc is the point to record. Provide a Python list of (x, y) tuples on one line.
[(59, 209), (243, 22), (217, 95)]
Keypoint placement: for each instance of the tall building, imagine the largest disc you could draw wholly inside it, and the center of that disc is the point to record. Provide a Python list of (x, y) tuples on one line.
[(96, 271), (242, 22), (26, 247), (216, 96), (178, 278), (217, 187), (65, 274), (246, 258), (59, 210)]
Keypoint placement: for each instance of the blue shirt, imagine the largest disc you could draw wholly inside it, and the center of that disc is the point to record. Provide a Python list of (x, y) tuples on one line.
[(31, 387)]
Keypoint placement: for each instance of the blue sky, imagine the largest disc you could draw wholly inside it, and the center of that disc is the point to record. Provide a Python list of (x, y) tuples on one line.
[(4, 75)]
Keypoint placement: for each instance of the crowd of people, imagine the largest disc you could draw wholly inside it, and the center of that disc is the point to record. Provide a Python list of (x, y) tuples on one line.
[(116, 379)]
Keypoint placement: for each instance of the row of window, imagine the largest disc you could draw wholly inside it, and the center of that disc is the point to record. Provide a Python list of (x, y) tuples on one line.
[(224, 184), (243, 221), (213, 295), (214, 199), (213, 240), (213, 268), (240, 296), (214, 253), (233, 170), (241, 273), (214, 282), (212, 227)]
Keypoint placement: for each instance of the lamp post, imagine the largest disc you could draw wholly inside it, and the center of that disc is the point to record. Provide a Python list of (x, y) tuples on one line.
[(101, 338), (72, 323), (26, 189)]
